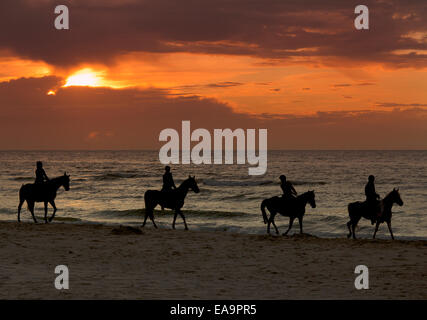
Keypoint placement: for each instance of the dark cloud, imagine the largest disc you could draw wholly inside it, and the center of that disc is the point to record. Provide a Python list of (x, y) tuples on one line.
[(225, 84), (105, 118), (400, 105), (341, 85), (279, 31)]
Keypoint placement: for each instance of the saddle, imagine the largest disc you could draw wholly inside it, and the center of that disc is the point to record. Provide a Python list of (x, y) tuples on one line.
[(373, 207)]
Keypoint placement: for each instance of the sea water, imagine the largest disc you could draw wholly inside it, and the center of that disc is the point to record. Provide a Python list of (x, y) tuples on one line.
[(108, 187)]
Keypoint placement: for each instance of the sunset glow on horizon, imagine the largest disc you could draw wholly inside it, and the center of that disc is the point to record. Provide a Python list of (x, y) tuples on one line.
[(305, 71)]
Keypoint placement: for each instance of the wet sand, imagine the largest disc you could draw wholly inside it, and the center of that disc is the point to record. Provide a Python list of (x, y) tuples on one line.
[(110, 263)]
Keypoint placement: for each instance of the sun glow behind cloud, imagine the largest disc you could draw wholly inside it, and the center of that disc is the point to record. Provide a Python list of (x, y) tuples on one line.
[(85, 77)]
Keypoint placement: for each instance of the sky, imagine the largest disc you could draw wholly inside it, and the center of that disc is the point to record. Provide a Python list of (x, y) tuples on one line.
[(126, 69)]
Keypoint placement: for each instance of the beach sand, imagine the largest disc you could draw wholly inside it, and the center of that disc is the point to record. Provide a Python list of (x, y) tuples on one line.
[(178, 264)]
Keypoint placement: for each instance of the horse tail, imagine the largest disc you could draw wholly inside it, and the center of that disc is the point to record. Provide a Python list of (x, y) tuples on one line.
[(264, 214)]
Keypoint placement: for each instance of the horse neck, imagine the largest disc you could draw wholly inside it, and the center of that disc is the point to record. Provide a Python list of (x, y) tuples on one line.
[(183, 188), (56, 182), (388, 201), (303, 198)]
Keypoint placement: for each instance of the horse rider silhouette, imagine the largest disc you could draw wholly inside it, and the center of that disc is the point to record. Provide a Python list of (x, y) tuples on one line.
[(372, 198), (288, 189), (168, 183), (41, 176)]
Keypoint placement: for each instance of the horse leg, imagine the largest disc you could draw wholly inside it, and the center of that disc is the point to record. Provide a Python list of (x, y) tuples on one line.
[(152, 218), (31, 208), (353, 226), (183, 218), (52, 203), (291, 222), (145, 218), (389, 228), (19, 209), (45, 212), (349, 229), (300, 224), (275, 227), (174, 219), (270, 220), (376, 229)]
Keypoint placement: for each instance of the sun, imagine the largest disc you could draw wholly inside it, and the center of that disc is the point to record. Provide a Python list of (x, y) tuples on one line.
[(85, 77)]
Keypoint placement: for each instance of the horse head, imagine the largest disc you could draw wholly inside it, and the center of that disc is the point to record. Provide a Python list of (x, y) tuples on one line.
[(66, 181), (311, 198), (396, 197), (192, 184)]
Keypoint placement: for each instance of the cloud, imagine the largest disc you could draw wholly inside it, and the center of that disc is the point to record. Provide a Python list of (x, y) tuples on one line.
[(131, 118), (341, 85), (309, 31), (400, 105), (225, 84)]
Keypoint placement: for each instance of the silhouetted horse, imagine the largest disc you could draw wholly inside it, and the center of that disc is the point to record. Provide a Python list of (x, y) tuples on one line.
[(173, 199), (292, 208), (359, 209), (42, 192)]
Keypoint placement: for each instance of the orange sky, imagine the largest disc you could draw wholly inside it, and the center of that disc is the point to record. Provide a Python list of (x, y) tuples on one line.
[(283, 67)]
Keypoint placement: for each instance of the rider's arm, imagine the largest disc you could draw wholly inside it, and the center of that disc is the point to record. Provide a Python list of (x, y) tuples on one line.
[(45, 175), (293, 190)]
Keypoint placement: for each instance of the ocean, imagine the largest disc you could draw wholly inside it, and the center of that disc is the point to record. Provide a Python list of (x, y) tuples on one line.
[(108, 187)]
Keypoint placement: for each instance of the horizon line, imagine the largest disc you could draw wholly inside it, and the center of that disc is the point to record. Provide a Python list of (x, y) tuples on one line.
[(155, 150)]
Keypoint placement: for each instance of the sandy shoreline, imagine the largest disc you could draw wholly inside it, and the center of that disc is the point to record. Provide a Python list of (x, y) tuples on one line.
[(168, 264)]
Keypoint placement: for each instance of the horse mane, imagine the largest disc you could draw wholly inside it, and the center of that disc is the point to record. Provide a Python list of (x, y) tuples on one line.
[(305, 194), (183, 183), (389, 194), (57, 178)]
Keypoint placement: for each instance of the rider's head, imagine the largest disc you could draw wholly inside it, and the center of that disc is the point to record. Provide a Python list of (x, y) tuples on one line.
[(39, 164), (371, 178), (167, 169), (282, 178)]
